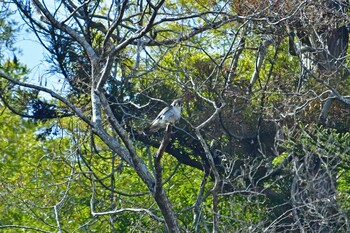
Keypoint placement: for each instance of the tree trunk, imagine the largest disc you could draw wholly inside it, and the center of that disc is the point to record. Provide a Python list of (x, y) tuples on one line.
[(159, 192)]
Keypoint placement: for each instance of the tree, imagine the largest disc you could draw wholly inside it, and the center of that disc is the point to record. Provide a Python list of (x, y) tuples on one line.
[(265, 88)]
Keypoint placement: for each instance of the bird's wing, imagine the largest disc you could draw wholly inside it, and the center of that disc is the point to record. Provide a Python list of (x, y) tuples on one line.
[(161, 114), (160, 120)]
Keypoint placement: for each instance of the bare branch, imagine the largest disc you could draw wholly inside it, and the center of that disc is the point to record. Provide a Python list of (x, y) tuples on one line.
[(88, 48), (141, 32), (259, 61), (52, 93), (116, 23), (75, 11), (24, 227), (57, 219), (116, 211), (159, 192)]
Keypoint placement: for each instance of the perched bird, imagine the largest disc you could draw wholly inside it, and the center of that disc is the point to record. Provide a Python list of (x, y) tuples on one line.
[(169, 115)]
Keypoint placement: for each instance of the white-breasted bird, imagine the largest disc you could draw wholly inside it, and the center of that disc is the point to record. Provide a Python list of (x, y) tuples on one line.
[(169, 115)]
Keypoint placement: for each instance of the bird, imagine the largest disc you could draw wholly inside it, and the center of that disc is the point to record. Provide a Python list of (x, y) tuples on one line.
[(169, 115)]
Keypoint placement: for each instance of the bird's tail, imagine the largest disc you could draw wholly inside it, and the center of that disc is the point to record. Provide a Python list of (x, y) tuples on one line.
[(151, 129), (147, 130)]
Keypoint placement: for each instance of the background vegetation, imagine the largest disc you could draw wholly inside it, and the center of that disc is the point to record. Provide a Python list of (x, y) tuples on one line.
[(262, 146)]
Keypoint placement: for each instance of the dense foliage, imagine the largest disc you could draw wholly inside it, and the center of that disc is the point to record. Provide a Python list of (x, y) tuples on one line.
[(262, 146)]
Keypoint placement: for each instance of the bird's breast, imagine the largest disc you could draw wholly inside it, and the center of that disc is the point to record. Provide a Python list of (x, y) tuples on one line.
[(177, 113)]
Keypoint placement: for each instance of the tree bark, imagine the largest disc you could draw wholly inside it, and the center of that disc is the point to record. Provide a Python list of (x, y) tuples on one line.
[(159, 192)]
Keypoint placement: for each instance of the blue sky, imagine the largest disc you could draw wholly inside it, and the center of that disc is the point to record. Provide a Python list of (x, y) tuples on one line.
[(33, 56), (32, 53)]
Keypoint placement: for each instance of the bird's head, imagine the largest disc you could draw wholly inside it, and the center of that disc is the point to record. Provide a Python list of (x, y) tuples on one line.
[(177, 103)]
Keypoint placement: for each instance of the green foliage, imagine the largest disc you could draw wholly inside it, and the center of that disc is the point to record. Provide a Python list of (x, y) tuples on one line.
[(61, 164), (279, 159), (31, 172), (8, 28), (326, 143)]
